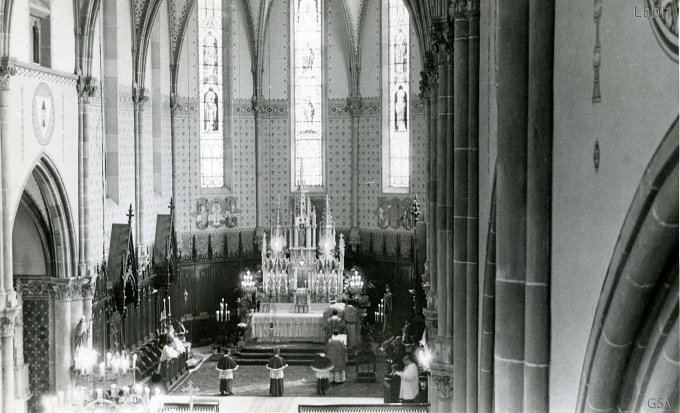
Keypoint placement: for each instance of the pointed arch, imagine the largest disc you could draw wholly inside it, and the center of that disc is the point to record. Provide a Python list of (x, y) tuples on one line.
[(59, 217), (632, 352)]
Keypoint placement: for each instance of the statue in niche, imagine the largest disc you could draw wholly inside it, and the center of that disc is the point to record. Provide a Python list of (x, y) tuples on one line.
[(201, 214), (308, 112), (210, 111), (210, 59), (307, 60), (216, 214), (400, 110)]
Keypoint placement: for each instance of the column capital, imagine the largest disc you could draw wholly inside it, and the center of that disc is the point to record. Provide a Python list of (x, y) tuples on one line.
[(86, 88), (8, 318), (442, 39), (7, 70), (428, 76), (354, 104), (139, 98), (444, 385), (174, 103)]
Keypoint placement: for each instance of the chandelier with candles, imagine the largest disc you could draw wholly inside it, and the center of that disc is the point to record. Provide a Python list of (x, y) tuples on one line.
[(303, 258)]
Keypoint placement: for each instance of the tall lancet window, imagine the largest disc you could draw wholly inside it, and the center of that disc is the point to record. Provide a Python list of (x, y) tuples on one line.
[(307, 94), (396, 142), (211, 112)]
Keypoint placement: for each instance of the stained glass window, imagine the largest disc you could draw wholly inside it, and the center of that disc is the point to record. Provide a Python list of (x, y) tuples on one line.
[(307, 93), (398, 95), (210, 89)]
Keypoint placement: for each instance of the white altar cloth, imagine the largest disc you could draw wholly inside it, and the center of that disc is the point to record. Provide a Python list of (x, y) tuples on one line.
[(309, 326)]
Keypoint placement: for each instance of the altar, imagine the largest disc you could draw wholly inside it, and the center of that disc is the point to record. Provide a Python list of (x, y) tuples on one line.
[(288, 326)]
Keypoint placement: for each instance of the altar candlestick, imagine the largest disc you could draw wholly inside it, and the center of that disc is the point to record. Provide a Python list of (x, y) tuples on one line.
[(169, 307), (163, 306), (217, 315)]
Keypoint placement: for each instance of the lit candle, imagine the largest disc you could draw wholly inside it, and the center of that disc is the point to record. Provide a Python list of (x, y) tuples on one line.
[(109, 356), (169, 307), (147, 391), (134, 361), (102, 369), (217, 315)]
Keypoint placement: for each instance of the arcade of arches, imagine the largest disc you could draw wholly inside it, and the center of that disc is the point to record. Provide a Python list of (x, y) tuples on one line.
[(507, 170)]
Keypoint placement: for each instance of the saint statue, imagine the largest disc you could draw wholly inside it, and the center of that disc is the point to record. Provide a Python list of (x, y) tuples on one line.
[(210, 58), (308, 112), (307, 59), (387, 300), (210, 111), (82, 334), (400, 110), (216, 215)]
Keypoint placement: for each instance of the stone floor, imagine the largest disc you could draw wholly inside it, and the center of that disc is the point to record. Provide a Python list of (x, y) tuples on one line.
[(254, 381)]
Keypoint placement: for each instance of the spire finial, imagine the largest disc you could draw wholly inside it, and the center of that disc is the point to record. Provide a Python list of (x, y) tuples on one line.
[(130, 214)]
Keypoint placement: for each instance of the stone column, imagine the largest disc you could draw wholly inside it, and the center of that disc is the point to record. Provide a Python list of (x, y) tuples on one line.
[(175, 107), (86, 89), (428, 90), (257, 109), (473, 209), (7, 324), (460, 221), (539, 206), (486, 348), (511, 202), (354, 104), (140, 101), (62, 294), (441, 51), (7, 70)]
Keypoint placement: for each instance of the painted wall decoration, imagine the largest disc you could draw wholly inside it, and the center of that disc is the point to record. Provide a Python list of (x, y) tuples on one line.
[(394, 213), (217, 213), (43, 113)]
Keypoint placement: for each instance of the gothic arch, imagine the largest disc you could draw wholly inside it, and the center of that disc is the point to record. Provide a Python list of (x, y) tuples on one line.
[(632, 352), (58, 217)]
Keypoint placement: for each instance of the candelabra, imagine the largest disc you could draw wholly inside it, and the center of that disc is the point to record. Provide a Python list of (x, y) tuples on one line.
[(380, 314), (356, 284), (248, 283)]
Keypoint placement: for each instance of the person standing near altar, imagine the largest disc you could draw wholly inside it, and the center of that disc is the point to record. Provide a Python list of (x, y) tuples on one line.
[(410, 383), (226, 367), (337, 352), (334, 323), (275, 366), (322, 367)]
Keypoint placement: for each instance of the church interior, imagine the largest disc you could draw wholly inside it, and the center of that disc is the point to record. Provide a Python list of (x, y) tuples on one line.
[(418, 206)]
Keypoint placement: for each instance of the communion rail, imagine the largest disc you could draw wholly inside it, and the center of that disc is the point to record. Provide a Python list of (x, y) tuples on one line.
[(366, 408)]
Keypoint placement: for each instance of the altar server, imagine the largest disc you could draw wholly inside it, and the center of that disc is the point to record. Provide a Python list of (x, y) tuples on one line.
[(322, 367), (337, 352), (275, 366), (226, 367)]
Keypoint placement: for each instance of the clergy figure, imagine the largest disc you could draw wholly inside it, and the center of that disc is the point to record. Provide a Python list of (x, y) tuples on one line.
[(408, 390), (322, 367), (226, 367), (337, 352), (334, 323), (275, 366)]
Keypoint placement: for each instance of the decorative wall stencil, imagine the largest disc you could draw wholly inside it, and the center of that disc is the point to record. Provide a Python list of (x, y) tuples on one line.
[(217, 212), (36, 348), (43, 113), (394, 213), (665, 24), (597, 52)]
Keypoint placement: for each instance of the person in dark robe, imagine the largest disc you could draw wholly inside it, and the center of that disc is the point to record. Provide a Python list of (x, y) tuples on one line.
[(226, 367), (275, 366), (337, 352), (322, 367)]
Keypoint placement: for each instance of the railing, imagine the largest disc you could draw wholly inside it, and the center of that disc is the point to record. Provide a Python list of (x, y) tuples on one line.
[(366, 408), (172, 369)]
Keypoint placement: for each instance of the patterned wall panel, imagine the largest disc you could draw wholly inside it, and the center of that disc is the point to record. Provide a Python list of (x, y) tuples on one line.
[(36, 348)]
